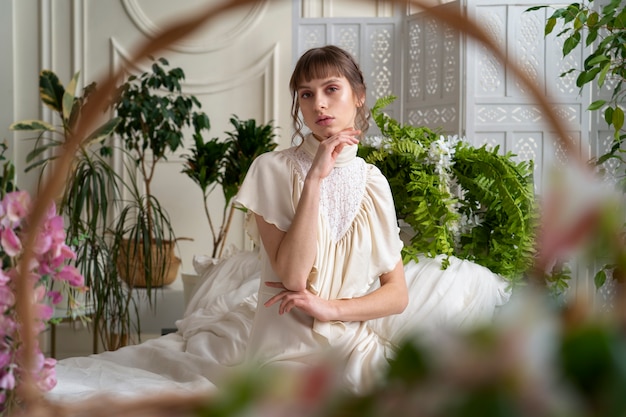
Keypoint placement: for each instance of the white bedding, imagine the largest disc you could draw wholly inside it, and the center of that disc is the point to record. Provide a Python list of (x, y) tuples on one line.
[(211, 336), (176, 361)]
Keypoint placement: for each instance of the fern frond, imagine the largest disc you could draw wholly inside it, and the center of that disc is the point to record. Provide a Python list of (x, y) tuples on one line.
[(492, 186)]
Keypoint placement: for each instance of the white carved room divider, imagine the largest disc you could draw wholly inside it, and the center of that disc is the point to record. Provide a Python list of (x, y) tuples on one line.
[(449, 82)]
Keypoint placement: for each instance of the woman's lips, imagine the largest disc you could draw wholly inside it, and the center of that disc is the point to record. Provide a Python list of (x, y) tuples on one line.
[(324, 121)]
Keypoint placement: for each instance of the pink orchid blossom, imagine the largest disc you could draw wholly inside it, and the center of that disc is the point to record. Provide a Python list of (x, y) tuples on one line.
[(49, 262), (70, 274), (55, 297), (39, 292), (17, 205), (5, 358), (4, 279), (7, 326), (46, 377), (7, 298), (42, 244), (44, 312), (7, 380), (11, 244)]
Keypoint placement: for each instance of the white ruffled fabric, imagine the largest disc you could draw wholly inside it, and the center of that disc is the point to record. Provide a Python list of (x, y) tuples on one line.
[(214, 332), (226, 325)]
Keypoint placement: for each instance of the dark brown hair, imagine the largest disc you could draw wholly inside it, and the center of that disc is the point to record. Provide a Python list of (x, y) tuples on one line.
[(323, 62)]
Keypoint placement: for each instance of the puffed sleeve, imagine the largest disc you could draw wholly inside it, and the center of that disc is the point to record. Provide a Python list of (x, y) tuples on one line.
[(380, 209), (268, 189)]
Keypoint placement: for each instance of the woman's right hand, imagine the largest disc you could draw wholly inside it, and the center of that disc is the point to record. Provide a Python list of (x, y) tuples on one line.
[(293, 252), (329, 150)]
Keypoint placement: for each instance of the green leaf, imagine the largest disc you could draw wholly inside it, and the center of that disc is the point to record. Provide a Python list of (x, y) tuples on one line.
[(603, 73), (103, 131), (549, 26), (578, 22), (69, 96), (571, 43), (36, 125), (51, 90), (586, 76), (38, 150), (618, 119), (591, 36), (620, 20), (597, 59), (571, 12), (608, 115), (599, 279), (39, 163), (596, 105), (592, 19)]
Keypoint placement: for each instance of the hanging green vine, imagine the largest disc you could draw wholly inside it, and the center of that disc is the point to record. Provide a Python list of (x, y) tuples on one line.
[(473, 203)]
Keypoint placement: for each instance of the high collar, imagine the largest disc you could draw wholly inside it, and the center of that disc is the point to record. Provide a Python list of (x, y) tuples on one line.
[(347, 155)]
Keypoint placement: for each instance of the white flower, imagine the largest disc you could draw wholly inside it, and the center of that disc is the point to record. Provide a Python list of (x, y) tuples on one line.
[(377, 142), (441, 153)]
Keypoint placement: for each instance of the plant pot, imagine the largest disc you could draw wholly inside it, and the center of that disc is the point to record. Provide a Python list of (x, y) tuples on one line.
[(190, 282), (131, 265)]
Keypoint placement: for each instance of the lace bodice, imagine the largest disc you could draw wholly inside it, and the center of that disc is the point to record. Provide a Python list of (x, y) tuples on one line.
[(341, 192)]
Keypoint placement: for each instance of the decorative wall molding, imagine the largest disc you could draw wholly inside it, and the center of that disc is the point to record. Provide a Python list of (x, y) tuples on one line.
[(190, 45), (264, 68), (78, 38), (45, 51), (122, 57), (325, 8)]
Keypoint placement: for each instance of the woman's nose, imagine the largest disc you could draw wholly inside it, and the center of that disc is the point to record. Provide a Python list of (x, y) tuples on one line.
[(320, 102)]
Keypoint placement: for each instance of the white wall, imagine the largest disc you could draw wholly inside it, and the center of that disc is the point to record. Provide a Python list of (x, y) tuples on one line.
[(238, 64), (6, 70)]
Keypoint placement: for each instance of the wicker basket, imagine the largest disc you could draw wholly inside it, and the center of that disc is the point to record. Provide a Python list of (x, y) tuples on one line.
[(133, 273)]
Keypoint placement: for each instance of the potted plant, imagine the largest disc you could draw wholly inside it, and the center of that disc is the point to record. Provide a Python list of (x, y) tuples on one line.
[(87, 202), (456, 199), (600, 28), (52, 278), (154, 116), (225, 163)]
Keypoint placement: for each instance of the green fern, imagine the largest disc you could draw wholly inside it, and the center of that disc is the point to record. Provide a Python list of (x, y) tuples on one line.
[(492, 187), (504, 242)]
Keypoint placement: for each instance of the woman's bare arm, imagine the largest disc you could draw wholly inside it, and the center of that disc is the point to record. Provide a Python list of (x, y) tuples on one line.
[(390, 298), (293, 252)]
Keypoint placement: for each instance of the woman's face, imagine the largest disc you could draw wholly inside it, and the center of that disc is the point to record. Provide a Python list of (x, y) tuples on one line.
[(328, 105)]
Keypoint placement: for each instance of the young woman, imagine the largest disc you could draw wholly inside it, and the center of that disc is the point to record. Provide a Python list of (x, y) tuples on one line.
[(332, 281), (331, 291), (330, 239)]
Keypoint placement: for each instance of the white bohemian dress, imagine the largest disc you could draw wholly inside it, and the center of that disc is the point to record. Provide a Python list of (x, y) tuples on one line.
[(358, 239)]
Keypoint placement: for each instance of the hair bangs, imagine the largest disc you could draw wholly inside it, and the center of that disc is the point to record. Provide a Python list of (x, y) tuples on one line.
[(318, 66)]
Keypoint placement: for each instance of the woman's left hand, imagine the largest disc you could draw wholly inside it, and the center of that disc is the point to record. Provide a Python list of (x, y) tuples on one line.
[(305, 301)]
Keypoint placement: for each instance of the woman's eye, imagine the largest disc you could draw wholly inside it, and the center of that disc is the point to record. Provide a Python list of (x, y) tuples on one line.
[(305, 95), (332, 89)]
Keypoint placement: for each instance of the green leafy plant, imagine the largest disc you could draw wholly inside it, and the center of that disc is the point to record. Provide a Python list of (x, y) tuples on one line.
[(225, 163), (90, 196), (459, 200), (154, 117), (7, 179), (601, 29)]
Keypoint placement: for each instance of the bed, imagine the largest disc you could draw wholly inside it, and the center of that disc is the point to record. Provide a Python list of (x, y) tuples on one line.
[(210, 338)]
